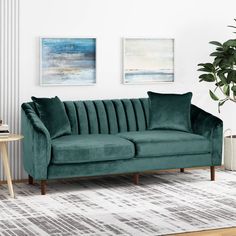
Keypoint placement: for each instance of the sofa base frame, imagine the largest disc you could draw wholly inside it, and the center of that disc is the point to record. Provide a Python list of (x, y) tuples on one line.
[(135, 179)]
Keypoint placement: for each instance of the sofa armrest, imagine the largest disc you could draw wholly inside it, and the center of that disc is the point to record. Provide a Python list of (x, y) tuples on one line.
[(211, 127), (36, 144)]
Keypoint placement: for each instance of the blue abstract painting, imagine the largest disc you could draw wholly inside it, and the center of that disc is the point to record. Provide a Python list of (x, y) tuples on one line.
[(68, 61), (148, 60)]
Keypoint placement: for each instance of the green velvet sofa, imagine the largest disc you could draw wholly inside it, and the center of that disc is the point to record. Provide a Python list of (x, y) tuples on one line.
[(112, 137)]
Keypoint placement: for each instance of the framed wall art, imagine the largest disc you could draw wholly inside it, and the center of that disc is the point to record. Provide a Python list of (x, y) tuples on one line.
[(67, 61), (148, 60)]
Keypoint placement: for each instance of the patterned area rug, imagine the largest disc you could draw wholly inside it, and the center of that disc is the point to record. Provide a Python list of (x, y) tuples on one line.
[(164, 203)]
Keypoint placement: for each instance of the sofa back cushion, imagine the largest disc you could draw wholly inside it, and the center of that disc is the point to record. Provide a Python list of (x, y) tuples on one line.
[(52, 113), (110, 116), (170, 111)]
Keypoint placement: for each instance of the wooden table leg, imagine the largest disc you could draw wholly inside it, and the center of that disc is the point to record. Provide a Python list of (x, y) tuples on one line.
[(3, 147)]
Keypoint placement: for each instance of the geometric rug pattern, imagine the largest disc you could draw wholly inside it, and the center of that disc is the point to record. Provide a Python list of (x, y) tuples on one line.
[(164, 203)]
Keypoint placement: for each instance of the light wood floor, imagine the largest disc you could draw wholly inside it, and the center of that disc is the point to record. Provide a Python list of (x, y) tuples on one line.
[(217, 232)]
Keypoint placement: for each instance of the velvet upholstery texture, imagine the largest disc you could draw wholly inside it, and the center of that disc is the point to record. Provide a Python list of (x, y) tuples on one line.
[(170, 111), (36, 150), (167, 143), (108, 116), (52, 113), (211, 127), (133, 165), (119, 117), (90, 148)]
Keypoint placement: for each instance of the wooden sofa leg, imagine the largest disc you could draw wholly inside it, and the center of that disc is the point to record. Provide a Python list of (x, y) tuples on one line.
[(212, 173), (136, 179), (182, 170), (30, 180), (43, 187)]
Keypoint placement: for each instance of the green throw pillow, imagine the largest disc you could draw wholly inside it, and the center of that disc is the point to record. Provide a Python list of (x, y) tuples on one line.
[(53, 114), (170, 111)]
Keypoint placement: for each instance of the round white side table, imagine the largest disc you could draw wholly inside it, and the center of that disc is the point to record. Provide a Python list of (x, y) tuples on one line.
[(3, 148)]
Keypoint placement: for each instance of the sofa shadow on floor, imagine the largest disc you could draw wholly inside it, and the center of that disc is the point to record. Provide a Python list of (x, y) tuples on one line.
[(118, 181)]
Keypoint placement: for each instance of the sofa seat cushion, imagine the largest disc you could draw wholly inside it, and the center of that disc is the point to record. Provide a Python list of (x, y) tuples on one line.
[(90, 148), (167, 143)]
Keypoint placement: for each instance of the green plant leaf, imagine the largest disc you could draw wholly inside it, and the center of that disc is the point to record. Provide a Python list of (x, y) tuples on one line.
[(215, 43), (217, 61), (224, 64), (230, 43), (222, 78), (201, 64), (223, 71), (205, 69), (221, 103), (230, 51), (219, 84), (220, 49), (226, 90), (233, 88), (217, 54), (225, 47), (231, 26), (213, 96), (231, 60), (208, 66), (207, 78), (231, 76)]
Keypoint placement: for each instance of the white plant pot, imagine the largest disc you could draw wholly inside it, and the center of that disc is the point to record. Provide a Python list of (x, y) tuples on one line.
[(230, 151)]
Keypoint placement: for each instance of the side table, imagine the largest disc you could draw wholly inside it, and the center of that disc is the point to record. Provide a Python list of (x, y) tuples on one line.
[(3, 148)]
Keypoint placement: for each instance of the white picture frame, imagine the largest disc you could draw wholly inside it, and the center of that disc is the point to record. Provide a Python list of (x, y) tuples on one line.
[(148, 60), (68, 61)]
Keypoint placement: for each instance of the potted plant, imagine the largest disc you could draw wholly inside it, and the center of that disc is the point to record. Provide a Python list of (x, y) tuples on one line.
[(221, 71)]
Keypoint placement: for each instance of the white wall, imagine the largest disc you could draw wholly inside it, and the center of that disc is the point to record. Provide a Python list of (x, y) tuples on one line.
[(193, 23)]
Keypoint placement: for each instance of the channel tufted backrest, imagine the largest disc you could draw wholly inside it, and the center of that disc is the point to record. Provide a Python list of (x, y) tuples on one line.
[(108, 116)]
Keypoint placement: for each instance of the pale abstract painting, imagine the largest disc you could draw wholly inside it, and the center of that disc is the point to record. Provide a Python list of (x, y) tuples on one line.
[(68, 61), (148, 60)]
